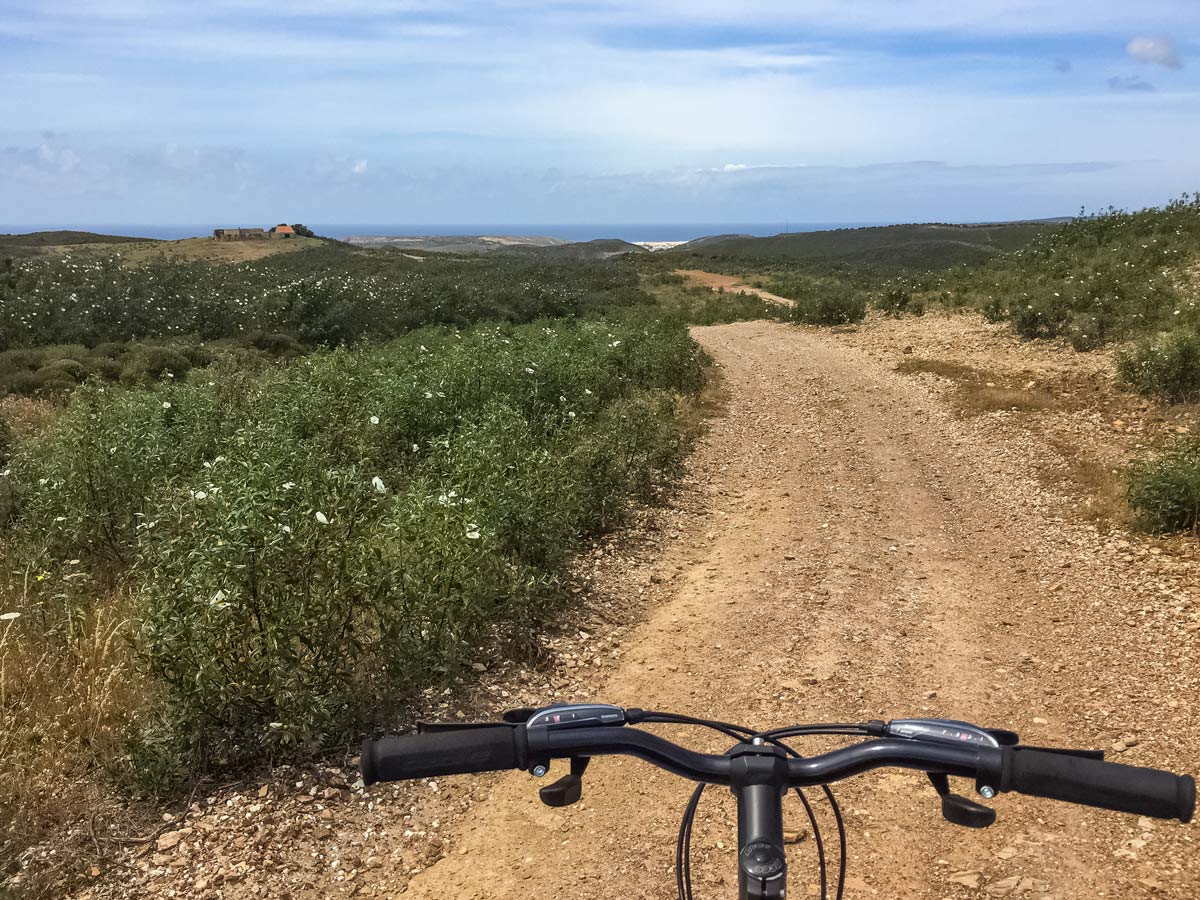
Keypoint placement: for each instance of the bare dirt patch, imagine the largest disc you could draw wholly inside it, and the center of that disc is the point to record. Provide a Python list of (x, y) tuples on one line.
[(979, 391), (729, 283)]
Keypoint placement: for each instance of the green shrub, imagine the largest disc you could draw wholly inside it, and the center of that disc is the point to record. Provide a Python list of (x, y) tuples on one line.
[(1094, 279), (21, 361), (278, 345), (111, 349), (23, 382), (198, 356), (831, 308), (454, 475), (327, 296), (64, 369), (897, 300), (1164, 491), (146, 364), (106, 368), (819, 299), (1040, 317), (1166, 366)]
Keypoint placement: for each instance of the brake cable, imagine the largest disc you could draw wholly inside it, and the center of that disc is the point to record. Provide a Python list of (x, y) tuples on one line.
[(683, 847)]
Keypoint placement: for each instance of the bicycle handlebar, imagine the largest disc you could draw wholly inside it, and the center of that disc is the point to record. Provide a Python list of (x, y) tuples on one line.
[(1093, 782), (458, 752), (1040, 773)]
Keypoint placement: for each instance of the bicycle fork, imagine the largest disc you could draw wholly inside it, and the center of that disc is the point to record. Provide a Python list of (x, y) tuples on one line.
[(759, 782)]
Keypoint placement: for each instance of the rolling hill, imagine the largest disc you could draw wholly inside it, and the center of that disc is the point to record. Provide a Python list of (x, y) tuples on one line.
[(879, 248)]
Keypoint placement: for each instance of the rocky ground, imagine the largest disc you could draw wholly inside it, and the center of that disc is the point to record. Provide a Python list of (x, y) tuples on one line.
[(903, 518)]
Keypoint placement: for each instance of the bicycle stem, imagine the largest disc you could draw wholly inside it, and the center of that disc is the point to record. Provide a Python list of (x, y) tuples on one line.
[(758, 778)]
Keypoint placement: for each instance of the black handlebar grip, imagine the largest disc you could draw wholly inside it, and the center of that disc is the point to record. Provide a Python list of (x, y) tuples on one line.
[(1093, 782), (470, 750)]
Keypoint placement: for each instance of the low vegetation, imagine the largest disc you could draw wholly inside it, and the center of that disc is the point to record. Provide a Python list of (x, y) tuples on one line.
[(701, 305), (1164, 490), (326, 298), (819, 300), (880, 251), (1092, 280), (253, 565), (246, 510), (1165, 365)]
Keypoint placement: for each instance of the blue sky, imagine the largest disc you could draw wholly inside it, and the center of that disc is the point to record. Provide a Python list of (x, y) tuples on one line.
[(405, 111)]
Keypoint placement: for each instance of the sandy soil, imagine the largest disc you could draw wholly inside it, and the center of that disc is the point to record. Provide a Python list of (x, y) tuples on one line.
[(850, 542), (729, 283)]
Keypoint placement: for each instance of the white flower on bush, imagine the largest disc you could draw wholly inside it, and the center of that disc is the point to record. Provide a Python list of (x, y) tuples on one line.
[(528, 370), (416, 449), (218, 600), (5, 473), (275, 725), (377, 483), (199, 495), (166, 404), (8, 617), (447, 499), (288, 485), (322, 518), (287, 529), (473, 531), (429, 395), (374, 420), (588, 392)]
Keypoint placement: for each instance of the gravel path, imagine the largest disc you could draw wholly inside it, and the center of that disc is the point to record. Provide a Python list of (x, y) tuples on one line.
[(848, 546), (730, 284)]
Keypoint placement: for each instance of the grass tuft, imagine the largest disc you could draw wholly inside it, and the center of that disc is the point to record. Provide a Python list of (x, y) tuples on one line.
[(1164, 491)]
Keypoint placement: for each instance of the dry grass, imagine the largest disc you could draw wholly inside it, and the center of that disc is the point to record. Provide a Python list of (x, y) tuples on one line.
[(1099, 486), (942, 368), (65, 704), (26, 416), (975, 400), (190, 249), (209, 250), (981, 392)]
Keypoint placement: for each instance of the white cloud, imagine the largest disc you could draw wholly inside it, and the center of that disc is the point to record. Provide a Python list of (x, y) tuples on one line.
[(359, 167), (1157, 50)]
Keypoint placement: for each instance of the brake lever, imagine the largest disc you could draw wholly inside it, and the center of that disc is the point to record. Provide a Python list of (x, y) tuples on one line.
[(569, 788), (959, 810)]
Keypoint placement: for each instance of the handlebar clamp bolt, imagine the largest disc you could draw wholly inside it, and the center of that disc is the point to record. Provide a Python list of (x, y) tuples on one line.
[(539, 771), (987, 792)]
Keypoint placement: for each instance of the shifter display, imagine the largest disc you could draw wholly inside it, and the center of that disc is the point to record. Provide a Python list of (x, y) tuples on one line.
[(581, 715), (940, 731)]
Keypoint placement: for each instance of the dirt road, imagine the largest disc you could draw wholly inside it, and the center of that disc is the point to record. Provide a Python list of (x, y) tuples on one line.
[(855, 548), (863, 558), (730, 284)]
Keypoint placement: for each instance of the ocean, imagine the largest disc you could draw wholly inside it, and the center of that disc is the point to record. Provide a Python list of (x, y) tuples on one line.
[(644, 232)]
